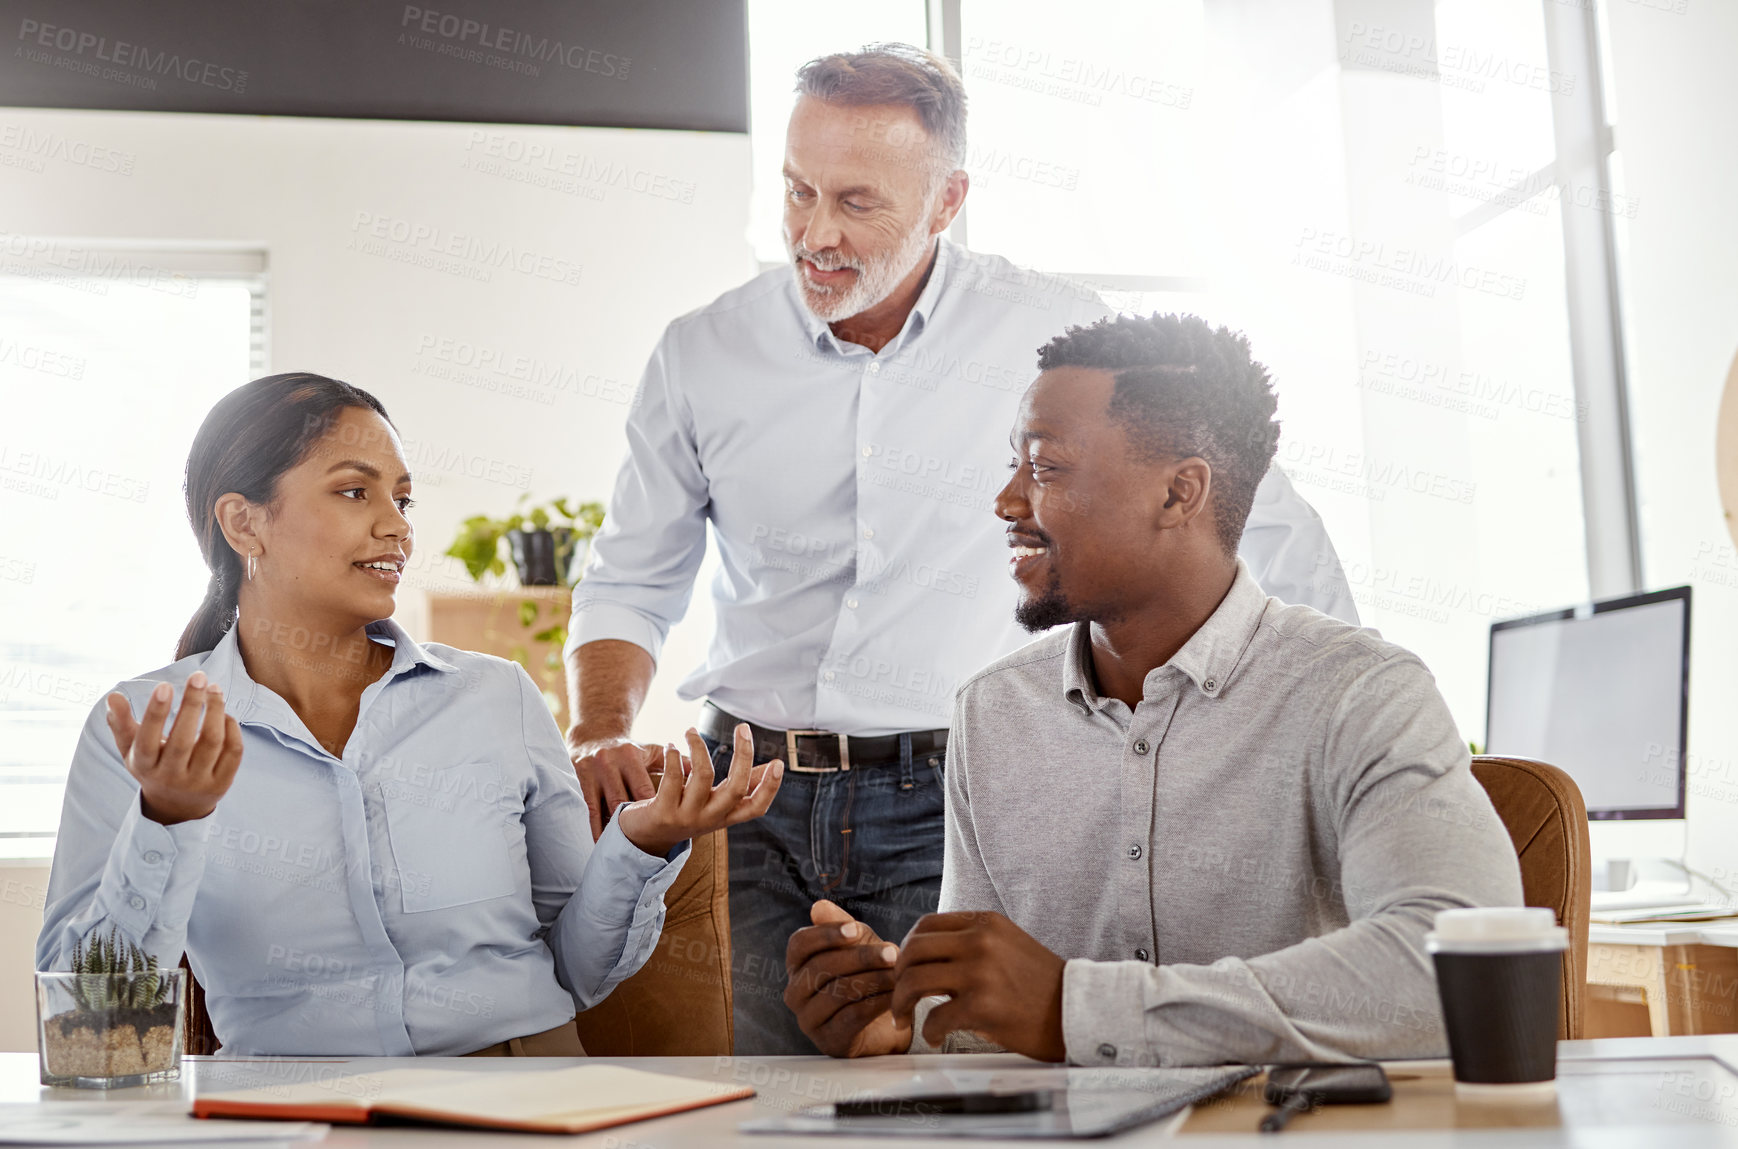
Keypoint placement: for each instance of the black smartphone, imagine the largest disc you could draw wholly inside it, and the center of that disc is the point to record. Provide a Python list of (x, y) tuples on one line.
[(934, 1104), (1327, 1083), (1299, 1086)]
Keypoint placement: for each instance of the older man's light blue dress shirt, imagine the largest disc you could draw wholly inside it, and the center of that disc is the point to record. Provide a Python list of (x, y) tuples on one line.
[(434, 891), (863, 571)]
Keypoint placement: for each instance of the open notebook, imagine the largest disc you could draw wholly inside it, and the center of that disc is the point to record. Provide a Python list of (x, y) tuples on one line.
[(573, 1100)]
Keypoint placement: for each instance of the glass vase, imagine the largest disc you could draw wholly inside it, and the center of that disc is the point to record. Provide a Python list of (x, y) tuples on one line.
[(96, 1031)]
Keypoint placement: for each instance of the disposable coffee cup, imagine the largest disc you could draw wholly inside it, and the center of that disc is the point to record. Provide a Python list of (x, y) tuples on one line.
[(1498, 972)]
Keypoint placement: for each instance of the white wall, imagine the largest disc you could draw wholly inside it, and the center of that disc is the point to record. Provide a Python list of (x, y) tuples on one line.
[(654, 221), (1676, 117), (23, 887)]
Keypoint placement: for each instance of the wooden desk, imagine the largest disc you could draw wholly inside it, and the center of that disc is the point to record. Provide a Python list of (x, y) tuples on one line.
[(788, 1083), (1425, 1099), (1662, 979)]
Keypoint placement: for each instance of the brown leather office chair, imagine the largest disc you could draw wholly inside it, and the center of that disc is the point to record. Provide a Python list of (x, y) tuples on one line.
[(679, 1002), (1547, 821), (197, 1037)]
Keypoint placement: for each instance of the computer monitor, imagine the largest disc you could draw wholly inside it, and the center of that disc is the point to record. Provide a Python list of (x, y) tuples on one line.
[(1601, 691)]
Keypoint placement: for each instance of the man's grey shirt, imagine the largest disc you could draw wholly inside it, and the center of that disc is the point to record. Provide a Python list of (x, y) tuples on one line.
[(1245, 866), (863, 573)]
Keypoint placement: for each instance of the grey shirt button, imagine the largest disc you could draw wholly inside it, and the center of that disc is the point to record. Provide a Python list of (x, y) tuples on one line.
[(152, 857), (1141, 746), (1143, 955), (1134, 852), (136, 902), (1107, 1051), (1210, 685)]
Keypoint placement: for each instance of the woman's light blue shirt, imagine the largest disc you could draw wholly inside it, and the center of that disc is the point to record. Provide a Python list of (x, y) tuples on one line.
[(433, 891)]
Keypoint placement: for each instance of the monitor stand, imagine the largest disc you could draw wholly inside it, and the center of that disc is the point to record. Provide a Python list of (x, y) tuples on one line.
[(1650, 850)]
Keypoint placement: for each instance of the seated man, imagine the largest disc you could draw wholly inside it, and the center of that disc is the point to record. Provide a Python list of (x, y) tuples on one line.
[(1194, 824)]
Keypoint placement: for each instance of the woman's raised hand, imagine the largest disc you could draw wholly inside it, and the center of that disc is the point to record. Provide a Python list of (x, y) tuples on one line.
[(180, 776), (688, 805)]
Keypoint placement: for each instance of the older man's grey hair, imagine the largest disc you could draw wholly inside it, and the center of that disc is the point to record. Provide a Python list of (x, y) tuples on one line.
[(898, 74)]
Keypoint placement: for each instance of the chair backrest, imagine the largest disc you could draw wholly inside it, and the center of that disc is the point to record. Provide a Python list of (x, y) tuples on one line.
[(197, 1036), (677, 1005), (1542, 810)]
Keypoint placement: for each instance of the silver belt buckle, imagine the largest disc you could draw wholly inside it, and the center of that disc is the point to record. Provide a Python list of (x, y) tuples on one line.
[(791, 737)]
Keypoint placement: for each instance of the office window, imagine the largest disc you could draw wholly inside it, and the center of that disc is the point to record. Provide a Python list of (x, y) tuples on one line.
[(108, 363), (1434, 425), (1087, 124), (1524, 412), (1496, 85)]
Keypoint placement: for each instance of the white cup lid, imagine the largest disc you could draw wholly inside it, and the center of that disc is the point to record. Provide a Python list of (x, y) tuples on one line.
[(1498, 927)]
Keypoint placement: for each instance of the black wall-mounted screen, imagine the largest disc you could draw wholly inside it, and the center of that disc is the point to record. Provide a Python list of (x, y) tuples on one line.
[(600, 63)]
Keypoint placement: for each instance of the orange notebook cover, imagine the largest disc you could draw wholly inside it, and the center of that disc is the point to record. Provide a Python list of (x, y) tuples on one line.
[(578, 1099)]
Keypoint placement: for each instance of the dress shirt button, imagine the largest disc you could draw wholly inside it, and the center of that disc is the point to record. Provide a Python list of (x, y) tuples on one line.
[(828, 676), (1143, 955), (868, 532), (152, 857), (1135, 851), (874, 367), (852, 603), (136, 902), (1210, 685), (1107, 1051), (867, 451), (1141, 746)]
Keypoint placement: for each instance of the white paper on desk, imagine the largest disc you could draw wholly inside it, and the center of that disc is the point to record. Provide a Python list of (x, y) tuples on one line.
[(1700, 912), (138, 1123)]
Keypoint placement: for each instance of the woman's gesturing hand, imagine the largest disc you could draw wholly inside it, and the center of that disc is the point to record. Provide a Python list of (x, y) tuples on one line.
[(181, 776), (687, 804)]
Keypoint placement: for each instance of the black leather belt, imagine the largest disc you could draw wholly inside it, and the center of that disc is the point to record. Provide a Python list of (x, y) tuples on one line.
[(817, 751)]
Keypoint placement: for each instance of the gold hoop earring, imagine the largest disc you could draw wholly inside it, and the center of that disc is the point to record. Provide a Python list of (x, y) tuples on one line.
[(252, 566)]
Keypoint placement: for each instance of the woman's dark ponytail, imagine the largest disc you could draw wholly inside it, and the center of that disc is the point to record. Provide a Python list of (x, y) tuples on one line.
[(253, 435), (215, 615)]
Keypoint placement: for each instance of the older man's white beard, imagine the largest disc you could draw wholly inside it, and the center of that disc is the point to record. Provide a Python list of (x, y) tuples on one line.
[(875, 281)]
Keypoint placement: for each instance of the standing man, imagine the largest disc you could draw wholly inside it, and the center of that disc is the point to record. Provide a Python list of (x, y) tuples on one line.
[(842, 425)]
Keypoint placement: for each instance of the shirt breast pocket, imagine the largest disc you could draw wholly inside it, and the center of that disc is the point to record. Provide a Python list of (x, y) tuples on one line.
[(448, 844)]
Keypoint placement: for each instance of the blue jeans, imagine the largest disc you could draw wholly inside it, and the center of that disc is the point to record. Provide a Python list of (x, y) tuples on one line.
[(869, 838)]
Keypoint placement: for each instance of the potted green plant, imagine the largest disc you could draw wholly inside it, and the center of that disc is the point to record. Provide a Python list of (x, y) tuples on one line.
[(543, 540), (112, 1021)]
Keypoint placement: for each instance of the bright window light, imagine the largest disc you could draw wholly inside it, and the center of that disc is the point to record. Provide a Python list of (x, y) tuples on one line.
[(103, 383)]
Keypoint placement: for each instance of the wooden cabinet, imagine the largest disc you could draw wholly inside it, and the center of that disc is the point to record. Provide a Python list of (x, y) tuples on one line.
[(507, 622)]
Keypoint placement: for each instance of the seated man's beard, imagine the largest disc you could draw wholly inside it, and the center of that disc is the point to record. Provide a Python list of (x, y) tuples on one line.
[(1048, 608), (877, 275)]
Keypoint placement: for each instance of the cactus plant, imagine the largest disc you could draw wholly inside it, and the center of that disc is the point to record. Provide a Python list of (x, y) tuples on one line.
[(115, 974), (113, 1020)]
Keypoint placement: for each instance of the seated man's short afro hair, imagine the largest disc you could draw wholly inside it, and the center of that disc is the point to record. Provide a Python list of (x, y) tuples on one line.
[(1184, 387)]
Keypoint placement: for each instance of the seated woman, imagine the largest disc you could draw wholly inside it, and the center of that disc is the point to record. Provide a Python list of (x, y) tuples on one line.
[(364, 845)]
